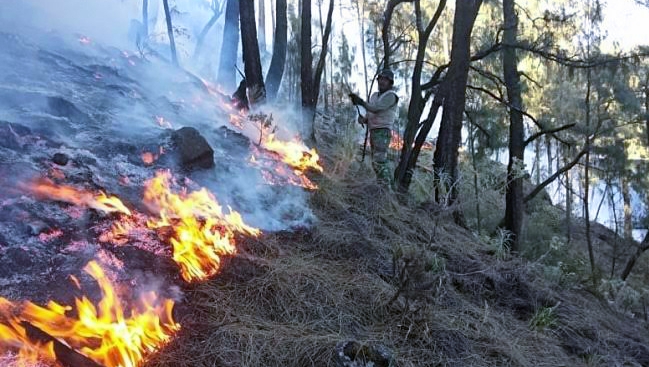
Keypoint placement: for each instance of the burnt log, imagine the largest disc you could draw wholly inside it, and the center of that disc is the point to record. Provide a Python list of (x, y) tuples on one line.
[(192, 149), (65, 355)]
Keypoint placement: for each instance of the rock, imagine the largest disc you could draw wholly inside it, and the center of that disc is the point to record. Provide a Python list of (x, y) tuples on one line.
[(60, 159), (192, 149), (351, 353)]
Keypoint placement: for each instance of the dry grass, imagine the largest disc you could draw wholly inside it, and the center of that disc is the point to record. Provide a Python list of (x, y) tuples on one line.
[(379, 270)]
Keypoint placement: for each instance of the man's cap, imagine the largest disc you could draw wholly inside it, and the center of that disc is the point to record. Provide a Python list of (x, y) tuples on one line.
[(386, 73)]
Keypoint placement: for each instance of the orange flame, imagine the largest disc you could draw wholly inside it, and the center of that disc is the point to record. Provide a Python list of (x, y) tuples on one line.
[(103, 333), (396, 142), (294, 153), (148, 158), (45, 188), (202, 232)]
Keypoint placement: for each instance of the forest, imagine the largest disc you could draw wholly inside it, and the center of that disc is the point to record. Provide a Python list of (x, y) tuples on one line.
[(198, 171)]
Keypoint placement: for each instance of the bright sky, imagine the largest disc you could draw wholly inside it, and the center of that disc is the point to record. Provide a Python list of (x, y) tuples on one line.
[(626, 23)]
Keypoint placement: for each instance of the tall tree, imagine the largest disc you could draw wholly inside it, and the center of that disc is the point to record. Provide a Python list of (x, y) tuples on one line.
[(217, 10), (251, 59), (414, 128), (311, 79), (276, 69), (450, 131), (261, 26), (514, 208), (170, 32), (227, 76), (145, 19)]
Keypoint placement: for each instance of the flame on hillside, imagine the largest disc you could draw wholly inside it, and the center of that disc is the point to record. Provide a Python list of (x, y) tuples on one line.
[(44, 188), (202, 233), (105, 332), (396, 143)]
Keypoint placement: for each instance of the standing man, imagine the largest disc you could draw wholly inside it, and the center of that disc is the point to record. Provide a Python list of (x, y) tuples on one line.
[(381, 113)]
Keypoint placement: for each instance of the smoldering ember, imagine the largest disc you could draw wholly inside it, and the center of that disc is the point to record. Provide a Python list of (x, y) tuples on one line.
[(123, 180)]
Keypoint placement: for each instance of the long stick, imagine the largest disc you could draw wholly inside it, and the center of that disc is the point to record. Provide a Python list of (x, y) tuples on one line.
[(367, 133)]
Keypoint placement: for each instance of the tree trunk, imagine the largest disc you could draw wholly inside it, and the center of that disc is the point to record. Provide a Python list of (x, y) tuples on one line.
[(170, 33), (589, 240), (251, 58), (360, 14), (385, 29), (278, 61), (568, 179), (628, 217), (409, 153), (262, 26), (201, 37), (227, 76), (644, 246), (450, 131), (310, 79), (306, 69), (145, 19), (514, 207)]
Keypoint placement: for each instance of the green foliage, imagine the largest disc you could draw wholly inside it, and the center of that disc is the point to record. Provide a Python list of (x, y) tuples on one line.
[(500, 243), (544, 318), (620, 294)]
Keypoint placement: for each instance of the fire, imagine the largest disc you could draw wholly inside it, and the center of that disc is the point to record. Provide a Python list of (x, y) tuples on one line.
[(294, 153), (106, 333), (396, 143), (148, 158), (45, 188), (276, 173), (202, 232)]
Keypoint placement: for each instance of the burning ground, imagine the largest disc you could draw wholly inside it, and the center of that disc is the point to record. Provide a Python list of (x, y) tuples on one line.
[(124, 182)]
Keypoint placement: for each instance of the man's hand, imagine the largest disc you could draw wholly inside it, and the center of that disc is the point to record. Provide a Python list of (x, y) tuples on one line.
[(362, 120), (356, 100)]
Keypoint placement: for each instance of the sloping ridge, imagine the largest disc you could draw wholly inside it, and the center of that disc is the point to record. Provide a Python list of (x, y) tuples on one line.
[(388, 275)]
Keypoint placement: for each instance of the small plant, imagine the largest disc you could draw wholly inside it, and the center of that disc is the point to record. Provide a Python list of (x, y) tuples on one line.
[(264, 124), (544, 318), (500, 243), (416, 273)]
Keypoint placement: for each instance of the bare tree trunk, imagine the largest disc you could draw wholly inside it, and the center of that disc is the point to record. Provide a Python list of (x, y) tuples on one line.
[(568, 178), (310, 79), (644, 246), (262, 26), (170, 33), (201, 37), (145, 18), (385, 29), (628, 217), (589, 240), (450, 131), (227, 76), (515, 206), (409, 153), (306, 69), (278, 61), (360, 14), (251, 58)]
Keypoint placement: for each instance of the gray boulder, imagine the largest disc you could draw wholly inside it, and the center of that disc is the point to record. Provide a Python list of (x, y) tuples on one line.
[(192, 149)]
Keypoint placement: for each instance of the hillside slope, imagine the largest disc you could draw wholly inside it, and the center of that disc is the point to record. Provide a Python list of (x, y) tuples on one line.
[(395, 284)]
